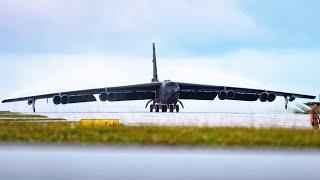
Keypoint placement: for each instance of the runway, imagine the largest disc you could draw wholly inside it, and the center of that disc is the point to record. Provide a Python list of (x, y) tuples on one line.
[(119, 162), (194, 119)]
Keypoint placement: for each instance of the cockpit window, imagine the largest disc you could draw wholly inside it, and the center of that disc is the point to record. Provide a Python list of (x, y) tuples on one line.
[(171, 84)]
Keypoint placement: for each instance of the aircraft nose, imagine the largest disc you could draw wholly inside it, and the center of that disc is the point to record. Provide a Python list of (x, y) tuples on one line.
[(177, 92)]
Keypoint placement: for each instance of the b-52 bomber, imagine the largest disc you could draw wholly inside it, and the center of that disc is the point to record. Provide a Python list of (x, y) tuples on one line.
[(164, 96)]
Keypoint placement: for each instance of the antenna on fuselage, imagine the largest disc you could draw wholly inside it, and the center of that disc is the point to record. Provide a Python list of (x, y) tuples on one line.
[(154, 61)]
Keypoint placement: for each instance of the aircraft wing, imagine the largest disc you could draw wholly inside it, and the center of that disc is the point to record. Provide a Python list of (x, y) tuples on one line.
[(119, 93), (210, 92)]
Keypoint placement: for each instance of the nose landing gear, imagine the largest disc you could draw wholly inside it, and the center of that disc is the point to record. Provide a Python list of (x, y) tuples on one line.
[(177, 108), (157, 108), (171, 108), (164, 108), (151, 108)]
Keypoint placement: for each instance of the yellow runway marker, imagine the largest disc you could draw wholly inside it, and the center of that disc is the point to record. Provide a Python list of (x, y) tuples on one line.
[(100, 122)]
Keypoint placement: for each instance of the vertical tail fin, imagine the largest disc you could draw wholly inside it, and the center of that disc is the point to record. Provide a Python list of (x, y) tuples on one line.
[(154, 61)]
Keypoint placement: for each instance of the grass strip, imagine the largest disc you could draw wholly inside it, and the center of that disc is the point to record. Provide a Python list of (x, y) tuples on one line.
[(13, 116), (31, 119), (4, 112), (74, 133)]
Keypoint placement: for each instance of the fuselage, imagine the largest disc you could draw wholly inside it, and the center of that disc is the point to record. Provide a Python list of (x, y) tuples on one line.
[(168, 93)]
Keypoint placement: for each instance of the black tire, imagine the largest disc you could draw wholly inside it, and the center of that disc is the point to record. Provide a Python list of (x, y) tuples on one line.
[(171, 108), (163, 108), (177, 108), (157, 108), (151, 108)]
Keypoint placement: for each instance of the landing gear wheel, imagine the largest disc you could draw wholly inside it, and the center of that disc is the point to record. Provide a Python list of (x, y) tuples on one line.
[(177, 108), (164, 108), (157, 108), (171, 108), (151, 108)]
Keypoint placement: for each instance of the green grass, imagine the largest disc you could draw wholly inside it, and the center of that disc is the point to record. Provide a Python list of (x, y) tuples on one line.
[(3, 112), (13, 116), (74, 133)]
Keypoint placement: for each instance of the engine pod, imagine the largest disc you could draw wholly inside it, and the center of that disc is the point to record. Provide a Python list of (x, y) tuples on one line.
[(56, 100), (272, 97), (263, 97), (103, 96), (231, 94), (30, 101), (223, 95), (64, 99), (292, 98)]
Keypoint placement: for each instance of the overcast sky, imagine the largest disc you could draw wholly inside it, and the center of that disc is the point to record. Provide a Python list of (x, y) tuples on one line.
[(56, 45)]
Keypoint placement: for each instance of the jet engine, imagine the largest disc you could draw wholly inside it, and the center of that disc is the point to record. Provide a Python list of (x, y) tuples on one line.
[(271, 97), (223, 95), (231, 94), (103, 96), (226, 95), (30, 101), (65, 99), (263, 97), (292, 98), (56, 100)]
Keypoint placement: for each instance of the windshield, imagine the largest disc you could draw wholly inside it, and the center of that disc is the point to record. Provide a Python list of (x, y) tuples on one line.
[(171, 84)]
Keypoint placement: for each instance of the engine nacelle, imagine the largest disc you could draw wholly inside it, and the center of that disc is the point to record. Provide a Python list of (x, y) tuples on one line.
[(271, 97), (231, 94), (30, 102), (56, 100), (103, 96), (223, 95), (64, 99), (263, 97), (292, 98)]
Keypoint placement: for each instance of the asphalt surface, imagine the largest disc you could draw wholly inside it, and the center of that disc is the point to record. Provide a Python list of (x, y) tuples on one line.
[(79, 162), (195, 119)]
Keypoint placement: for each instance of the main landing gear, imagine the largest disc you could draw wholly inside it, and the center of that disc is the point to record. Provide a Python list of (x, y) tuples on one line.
[(164, 108)]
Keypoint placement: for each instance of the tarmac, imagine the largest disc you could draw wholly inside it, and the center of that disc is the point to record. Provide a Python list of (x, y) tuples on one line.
[(193, 119), (118, 162)]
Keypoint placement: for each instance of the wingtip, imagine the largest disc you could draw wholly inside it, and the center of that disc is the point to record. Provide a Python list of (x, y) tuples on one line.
[(5, 101)]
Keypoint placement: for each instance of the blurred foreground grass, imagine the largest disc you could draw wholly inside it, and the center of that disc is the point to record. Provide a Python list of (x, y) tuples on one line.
[(14, 116), (74, 133)]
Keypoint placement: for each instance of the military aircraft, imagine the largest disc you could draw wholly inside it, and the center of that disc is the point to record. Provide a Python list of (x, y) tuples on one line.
[(164, 95)]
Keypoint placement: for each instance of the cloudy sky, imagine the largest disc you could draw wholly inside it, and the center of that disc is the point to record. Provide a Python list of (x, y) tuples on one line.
[(56, 45)]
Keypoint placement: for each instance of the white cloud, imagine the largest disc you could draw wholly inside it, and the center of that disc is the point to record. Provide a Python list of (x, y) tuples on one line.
[(114, 20), (37, 74), (65, 72)]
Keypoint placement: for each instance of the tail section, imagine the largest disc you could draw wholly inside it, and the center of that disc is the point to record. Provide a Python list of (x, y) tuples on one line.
[(154, 61)]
